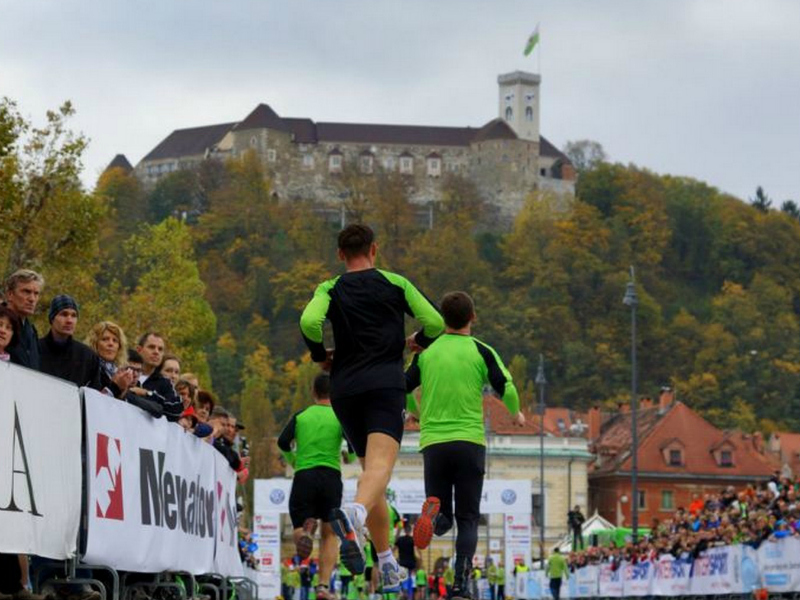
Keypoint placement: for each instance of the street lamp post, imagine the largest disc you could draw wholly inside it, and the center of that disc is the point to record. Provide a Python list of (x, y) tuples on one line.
[(631, 300), (541, 382)]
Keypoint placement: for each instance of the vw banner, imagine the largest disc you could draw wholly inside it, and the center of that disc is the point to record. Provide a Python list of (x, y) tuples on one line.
[(154, 500), (40, 463)]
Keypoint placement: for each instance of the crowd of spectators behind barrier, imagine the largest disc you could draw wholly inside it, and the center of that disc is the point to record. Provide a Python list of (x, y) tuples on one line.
[(751, 516), (141, 374)]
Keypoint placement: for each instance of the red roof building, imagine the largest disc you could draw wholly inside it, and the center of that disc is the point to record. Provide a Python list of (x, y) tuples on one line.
[(680, 456)]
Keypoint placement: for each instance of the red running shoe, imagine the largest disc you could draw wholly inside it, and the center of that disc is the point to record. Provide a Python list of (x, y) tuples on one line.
[(423, 528)]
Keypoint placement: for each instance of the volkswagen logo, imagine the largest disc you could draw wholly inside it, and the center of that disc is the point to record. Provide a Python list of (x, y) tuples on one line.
[(508, 496), (277, 496)]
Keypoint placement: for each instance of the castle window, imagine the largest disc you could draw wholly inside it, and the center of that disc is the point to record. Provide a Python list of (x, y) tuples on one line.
[(365, 163), (253, 141), (406, 165), (388, 163), (509, 113), (528, 113), (335, 163), (308, 161), (434, 167), (543, 172), (272, 155)]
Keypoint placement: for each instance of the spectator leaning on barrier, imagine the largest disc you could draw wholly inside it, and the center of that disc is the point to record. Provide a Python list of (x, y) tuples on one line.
[(147, 403), (63, 356), (108, 340), (171, 368), (152, 384), (9, 326), (22, 291)]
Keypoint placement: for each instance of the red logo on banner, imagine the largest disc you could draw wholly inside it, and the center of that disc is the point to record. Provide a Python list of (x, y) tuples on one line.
[(108, 478)]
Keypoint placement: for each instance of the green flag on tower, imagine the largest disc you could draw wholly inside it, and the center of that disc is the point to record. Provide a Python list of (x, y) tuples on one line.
[(532, 41)]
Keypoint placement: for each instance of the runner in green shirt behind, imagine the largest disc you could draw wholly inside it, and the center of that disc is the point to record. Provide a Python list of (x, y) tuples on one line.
[(453, 372), (317, 486), (556, 570)]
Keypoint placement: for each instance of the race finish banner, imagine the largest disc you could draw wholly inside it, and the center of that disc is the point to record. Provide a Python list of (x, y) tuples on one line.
[(158, 498), (40, 463)]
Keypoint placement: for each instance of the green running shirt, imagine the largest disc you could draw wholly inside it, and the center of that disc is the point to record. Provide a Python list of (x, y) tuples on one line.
[(318, 439), (453, 372)]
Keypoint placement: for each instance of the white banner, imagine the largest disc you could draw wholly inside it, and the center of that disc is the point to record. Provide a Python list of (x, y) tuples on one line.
[(609, 582), (583, 582), (637, 578), (154, 486), (778, 563), (267, 534), (671, 577), (40, 463), (716, 571), (517, 533), (226, 551)]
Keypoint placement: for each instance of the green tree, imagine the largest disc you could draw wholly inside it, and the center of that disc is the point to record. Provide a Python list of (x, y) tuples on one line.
[(585, 154)]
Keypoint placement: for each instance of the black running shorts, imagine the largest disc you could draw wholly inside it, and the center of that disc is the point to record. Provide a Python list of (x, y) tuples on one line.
[(315, 492), (375, 411)]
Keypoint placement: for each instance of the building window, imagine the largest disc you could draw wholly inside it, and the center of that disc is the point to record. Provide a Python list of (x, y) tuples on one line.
[(388, 163), (642, 500), (272, 155), (726, 458), (675, 458), (434, 167), (406, 165), (509, 113), (253, 141), (308, 161), (528, 113), (335, 163), (366, 164), (667, 500), (537, 511)]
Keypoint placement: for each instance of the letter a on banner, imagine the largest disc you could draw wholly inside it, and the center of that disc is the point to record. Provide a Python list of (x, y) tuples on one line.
[(18, 440)]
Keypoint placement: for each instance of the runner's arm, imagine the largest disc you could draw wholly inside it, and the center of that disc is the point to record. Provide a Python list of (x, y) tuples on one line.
[(313, 318), (286, 438), (499, 377), (413, 375)]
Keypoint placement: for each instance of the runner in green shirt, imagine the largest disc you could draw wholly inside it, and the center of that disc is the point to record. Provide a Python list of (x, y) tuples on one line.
[(556, 570), (317, 487), (453, 372)]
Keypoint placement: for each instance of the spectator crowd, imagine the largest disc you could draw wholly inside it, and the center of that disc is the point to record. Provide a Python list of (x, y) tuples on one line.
[(750, 516), (143, 375)]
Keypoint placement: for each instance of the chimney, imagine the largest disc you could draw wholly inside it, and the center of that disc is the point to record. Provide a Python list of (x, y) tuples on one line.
[(774, 443), (666, 398), (594, 423), (758, 441), (646, 402)]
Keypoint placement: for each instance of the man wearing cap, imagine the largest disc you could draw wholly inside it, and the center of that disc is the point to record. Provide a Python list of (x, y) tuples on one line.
[(22, 290), (62, 356)]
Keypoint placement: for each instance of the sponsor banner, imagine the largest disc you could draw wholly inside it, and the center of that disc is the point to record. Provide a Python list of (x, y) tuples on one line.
[(671, 576), (779, 565), (609, 581), (637, 578), (226, 551), (717, 571), (267, 532), (155, 487), (40, 463), (517, 530), (583, 582), (271, 495)]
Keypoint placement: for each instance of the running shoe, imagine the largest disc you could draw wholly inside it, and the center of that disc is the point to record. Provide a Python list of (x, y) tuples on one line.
[(305, 544), (323, 593), (423, 528), (392, 577), (351, 537)]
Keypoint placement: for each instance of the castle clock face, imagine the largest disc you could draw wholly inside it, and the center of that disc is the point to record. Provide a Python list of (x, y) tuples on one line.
[(509, 99), (529, 98)]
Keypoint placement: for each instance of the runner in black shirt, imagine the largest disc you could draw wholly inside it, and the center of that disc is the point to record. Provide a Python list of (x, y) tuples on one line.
[(366, 308)]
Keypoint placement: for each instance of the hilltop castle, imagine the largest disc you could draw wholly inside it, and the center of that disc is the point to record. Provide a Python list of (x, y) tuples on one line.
[(506, 158)]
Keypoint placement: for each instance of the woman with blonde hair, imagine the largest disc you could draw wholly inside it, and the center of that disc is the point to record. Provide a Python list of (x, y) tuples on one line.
[(109, 342)]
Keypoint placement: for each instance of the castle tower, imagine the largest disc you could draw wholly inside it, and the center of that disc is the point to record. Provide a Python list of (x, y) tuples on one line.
[(519, 103)]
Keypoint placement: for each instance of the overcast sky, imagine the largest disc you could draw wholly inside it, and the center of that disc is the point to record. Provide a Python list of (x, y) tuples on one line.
[(702, 88)]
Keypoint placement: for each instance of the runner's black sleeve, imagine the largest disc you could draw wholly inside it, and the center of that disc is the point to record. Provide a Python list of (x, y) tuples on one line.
[(287, 435), (413, 375)]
